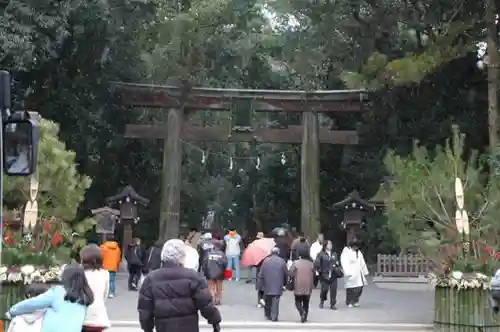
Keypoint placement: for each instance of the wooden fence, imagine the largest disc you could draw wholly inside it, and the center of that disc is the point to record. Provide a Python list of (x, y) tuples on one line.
[(402, 266)]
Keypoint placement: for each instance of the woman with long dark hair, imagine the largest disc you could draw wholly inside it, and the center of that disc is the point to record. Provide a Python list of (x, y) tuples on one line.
[(66, 304), (328, 266), (97, 318)]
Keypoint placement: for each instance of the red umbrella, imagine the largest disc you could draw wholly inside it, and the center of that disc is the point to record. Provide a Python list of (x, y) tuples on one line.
[(257, 251)]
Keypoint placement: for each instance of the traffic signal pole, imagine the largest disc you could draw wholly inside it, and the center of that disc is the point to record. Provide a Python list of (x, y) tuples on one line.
[(4, 109)]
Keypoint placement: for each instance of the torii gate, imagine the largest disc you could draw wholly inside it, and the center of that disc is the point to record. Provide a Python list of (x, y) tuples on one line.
[(180, 104)]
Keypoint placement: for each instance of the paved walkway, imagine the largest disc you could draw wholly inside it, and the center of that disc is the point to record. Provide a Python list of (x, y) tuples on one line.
[(378, 305), (303, 328)]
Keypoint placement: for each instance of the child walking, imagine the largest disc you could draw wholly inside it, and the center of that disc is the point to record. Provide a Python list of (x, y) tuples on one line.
[(66, 304), (31, 322)]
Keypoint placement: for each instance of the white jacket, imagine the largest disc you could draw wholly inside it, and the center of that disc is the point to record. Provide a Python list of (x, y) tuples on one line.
[(97, 314), (315, 250), (192, 259), (28, 322), (354, 266)]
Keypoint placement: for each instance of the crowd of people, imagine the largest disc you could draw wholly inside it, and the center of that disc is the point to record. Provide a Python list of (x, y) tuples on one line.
[(77, 304), (179, 278), (300, 268)]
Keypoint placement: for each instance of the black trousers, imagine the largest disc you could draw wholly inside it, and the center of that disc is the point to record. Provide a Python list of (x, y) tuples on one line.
[(272, 308), (352, 295), (329, 286), (260, 296), (134, 274), (302, 304)]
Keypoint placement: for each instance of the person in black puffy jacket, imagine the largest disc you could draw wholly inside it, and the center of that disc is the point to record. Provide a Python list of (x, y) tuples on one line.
[(153, 257), (134, 255), (282, 243), (171, 296), (213, 266)]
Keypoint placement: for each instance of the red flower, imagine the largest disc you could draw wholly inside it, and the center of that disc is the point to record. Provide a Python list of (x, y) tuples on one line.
[(56, 239), (497, 255), (8, 239), (487, 250), (46, 225)]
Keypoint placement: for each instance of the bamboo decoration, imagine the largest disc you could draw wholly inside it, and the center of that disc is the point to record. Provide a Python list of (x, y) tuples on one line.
[(463, 310), (31, 208), (462, 299)]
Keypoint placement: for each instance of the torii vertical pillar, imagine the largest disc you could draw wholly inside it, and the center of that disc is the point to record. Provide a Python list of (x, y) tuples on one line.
[(310, 207), (171, 176)]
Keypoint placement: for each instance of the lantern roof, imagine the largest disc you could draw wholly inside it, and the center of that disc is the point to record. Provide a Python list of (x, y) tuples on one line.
[(105, 209), (129, 192), (352, 201)]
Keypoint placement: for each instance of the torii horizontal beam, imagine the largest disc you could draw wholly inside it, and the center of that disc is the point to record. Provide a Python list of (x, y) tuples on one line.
[(292, 134), (157, 96)]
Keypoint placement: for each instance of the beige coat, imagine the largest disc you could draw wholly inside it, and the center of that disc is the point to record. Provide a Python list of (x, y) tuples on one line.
[(97, 314), (302, 271)]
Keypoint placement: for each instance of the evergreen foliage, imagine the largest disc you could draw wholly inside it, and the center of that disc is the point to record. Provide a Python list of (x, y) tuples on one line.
[(421, 205)]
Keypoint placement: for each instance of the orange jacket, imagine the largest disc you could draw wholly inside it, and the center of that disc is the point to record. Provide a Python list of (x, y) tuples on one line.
[(111, 255)]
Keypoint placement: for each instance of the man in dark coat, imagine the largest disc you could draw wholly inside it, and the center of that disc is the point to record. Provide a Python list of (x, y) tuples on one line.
[(134, 255), (170, 297), (328, 267), (153, 259), (272, 278), (283, 244)]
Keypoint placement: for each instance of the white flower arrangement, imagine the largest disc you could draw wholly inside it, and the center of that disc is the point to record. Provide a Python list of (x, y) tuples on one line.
[(29, 274), (460, 280)]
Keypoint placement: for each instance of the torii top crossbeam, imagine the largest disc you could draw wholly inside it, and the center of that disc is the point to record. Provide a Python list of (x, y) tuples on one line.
[(159, 96)]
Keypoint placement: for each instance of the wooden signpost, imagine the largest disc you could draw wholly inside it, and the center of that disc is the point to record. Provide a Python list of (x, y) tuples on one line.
[(106, 221), (179, 105)]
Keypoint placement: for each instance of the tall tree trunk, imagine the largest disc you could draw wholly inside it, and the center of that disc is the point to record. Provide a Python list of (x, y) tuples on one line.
[(493, 62), (310, 207), (171, 177)]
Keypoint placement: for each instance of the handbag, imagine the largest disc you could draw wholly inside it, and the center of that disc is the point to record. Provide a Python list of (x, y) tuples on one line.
[(228, 274), (338, 272)]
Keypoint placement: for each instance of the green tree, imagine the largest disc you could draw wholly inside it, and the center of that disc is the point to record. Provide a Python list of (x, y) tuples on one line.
[(422, 204)]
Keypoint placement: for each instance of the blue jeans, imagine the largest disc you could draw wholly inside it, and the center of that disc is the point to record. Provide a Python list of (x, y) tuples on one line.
[(112, 283), (233, 262)]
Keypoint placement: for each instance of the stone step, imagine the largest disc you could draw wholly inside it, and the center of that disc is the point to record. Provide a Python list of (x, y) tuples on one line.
[(133, 326)]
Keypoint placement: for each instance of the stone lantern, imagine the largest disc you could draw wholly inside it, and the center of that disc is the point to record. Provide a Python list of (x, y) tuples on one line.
[(106, 218), (128, 200), (355, 210)]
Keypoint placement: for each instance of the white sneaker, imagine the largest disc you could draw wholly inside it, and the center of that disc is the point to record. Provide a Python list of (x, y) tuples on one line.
[(356, 305), (262, 302), (349, 305), (111, 296)]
